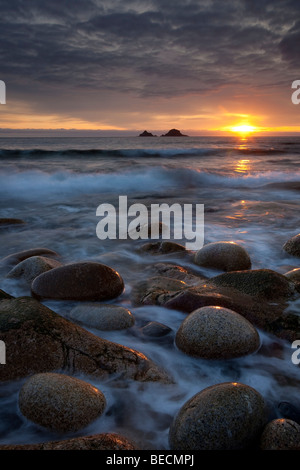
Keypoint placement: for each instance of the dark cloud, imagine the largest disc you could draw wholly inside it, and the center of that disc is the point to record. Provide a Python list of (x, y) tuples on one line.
[(146, 48)]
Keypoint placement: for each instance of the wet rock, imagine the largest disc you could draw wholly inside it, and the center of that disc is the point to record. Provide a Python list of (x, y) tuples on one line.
[(263, 283), (32, 267), (292, 246), (164, 247), (10, 221), (261, 310), (293, 275), (227, 256), (15, 258), (175, 272), (216, 333), (79, 281), (59, 402), (102, 317), (155, 329), (146, 291), (39, 340), (281, 434), (106, 441), (226, 416)]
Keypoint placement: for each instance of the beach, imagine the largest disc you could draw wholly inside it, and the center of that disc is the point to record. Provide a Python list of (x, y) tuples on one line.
[(250, 192)]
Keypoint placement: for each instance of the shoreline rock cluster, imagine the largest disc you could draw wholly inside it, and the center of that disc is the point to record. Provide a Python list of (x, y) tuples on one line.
[(223, 316)]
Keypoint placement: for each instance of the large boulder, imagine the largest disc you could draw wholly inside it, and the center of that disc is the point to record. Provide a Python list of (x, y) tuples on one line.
[(39, 340), (105, 441), (261, 296), (216, 333), (226, 416), (226, 256), (292, 246), (32, 267), (79, 281), (59, 402), (281, 434), (263, 283)]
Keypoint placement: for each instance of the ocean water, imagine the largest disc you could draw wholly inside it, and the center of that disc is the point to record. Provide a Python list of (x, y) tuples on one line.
[(250, 189)]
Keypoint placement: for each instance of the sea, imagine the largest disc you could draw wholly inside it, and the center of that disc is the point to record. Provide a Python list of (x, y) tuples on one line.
[(250, 189)]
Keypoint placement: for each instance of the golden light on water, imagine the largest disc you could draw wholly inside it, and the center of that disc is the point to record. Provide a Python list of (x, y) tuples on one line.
[(243, 166)]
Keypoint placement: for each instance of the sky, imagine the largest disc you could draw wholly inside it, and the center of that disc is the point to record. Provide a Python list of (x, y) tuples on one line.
[(121, 67)]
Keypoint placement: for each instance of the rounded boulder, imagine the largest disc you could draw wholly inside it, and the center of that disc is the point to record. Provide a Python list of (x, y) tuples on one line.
[(226, 256), (292, 246), (226, 416), (32, 267), (281, 434), (216, 333), (79, 281), (59, 402)]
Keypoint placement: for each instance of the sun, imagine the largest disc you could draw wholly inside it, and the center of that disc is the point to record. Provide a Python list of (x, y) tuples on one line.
[(243, 129)]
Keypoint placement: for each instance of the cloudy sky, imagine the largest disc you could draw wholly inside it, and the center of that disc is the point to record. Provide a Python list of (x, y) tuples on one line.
[(198, 65)]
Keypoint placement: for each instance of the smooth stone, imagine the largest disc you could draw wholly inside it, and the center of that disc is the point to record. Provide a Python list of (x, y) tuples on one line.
[(163, 247), (102, 317), (226, 256), (281, 434), (16, 258), (292, 246), (216, 333), (79, 281), (293, 275), (105, 441), (226, 416), (32, 267), (264, 283), (59, 402), (39, 340), (156, 329)]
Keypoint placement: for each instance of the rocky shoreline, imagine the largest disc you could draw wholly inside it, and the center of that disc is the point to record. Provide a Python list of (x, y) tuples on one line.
[(221, 319)]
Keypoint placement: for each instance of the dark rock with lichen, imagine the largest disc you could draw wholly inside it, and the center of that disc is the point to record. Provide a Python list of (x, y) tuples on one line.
[(39, 340)]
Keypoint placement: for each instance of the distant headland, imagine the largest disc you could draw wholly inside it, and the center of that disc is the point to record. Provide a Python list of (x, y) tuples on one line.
[(171, 133)]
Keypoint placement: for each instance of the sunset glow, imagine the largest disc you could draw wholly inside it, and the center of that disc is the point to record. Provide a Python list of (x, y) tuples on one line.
[(243, 129)]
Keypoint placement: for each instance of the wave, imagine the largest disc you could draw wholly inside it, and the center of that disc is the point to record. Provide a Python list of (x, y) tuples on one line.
[(39, 153), (34, 184)]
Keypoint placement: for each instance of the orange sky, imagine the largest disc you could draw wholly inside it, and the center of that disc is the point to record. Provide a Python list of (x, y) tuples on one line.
[(205, 67)]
